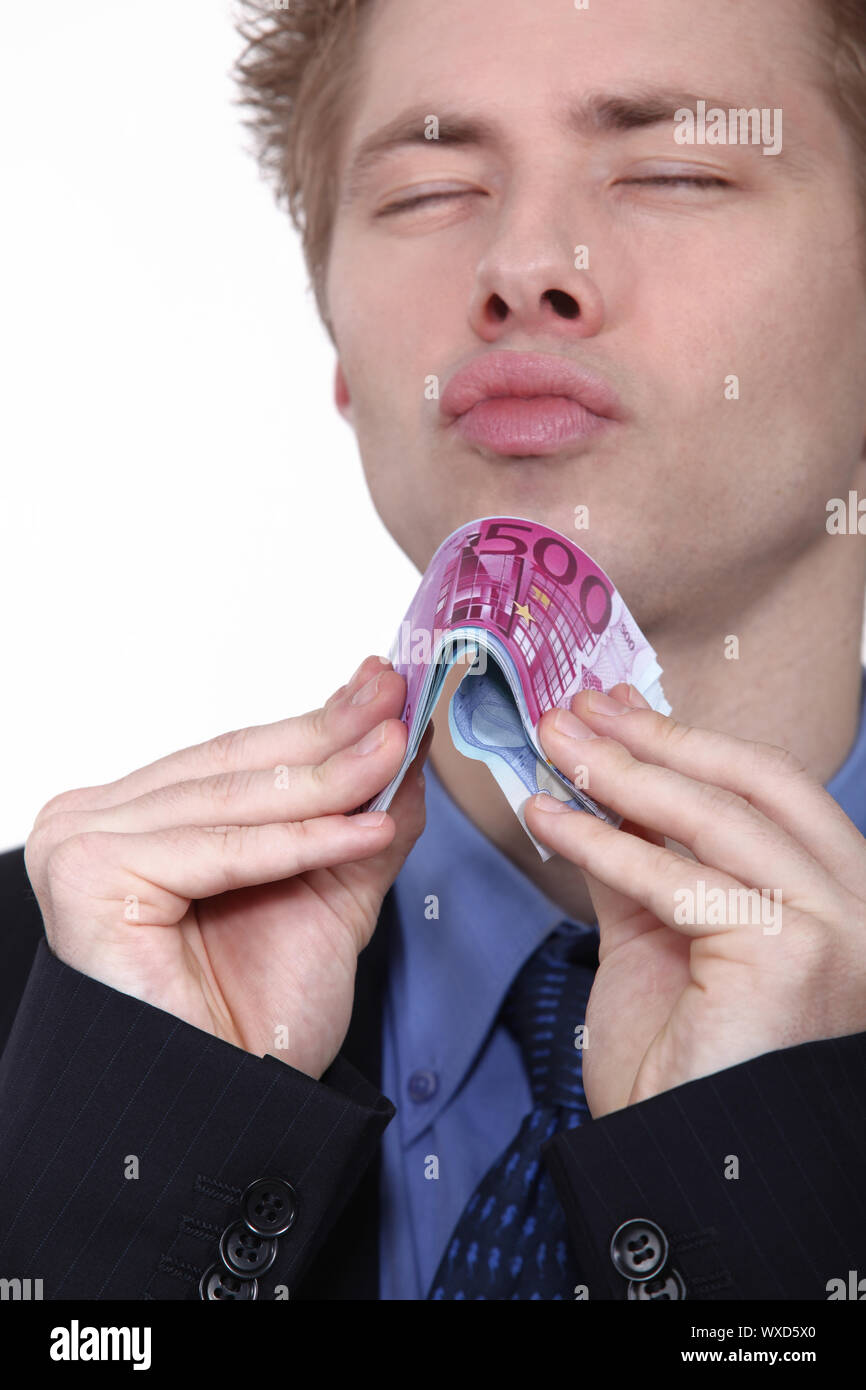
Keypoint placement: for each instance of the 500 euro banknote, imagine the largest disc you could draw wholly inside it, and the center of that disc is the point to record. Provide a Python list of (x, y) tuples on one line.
[(514, 593)]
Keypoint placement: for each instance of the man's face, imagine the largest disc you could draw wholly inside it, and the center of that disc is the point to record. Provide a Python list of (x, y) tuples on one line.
[(693, 496)]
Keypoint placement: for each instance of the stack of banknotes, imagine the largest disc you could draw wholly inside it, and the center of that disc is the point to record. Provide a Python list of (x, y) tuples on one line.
[(534, 620)]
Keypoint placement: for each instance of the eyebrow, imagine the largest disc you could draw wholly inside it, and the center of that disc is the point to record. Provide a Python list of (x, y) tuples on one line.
[(599, 113)]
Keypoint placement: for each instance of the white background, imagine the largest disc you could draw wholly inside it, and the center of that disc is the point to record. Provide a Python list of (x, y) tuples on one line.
[(171, 455)]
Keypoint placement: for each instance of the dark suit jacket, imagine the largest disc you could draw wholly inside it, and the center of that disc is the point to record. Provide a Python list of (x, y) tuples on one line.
[(90, 1077)]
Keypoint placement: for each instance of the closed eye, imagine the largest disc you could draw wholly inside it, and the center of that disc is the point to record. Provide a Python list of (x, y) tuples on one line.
[(660, 180), (405, 204), (699, 181)]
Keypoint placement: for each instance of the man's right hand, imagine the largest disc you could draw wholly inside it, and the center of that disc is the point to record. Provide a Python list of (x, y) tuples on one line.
[(226, 884)]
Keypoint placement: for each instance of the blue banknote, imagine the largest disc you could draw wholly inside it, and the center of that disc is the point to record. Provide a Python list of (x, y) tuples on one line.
[(485, 724)]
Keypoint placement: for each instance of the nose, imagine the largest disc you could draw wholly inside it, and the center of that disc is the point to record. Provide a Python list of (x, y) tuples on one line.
[(531, 278)]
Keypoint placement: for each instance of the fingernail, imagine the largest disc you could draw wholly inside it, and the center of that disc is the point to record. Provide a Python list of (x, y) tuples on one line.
[(604, 704), (564, 722), (371, 741), (382, 660), (350, 685), (636, 700), (546, 802), (367, 692), (370, 819)]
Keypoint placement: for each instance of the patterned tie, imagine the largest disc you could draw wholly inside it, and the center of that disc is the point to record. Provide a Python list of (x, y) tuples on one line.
[(511, 1240)]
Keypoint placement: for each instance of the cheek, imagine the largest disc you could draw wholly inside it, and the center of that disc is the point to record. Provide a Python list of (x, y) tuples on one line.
[(809, 364), (397, 321), (780, 319)]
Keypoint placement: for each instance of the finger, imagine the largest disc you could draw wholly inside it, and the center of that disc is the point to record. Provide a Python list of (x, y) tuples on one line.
[(369, 879), (628, 695), (165, 870), (369, 668), (767, 776), (340, 784), (612, 905), (720, 828), (407, 808), (652, 876), (302, 739)]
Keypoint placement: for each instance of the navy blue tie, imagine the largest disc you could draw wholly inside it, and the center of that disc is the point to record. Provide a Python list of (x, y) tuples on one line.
[(511, 1240)]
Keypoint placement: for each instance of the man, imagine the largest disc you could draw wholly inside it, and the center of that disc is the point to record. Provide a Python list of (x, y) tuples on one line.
[(498, 190)]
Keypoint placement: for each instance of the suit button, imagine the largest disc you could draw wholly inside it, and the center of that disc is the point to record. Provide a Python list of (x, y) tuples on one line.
[(219, 1283), (269, 1206), (667, 1285), (638, 1249), (245, 1252)]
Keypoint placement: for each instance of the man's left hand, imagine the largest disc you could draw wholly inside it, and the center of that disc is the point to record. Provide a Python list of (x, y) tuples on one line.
[(675, 999)]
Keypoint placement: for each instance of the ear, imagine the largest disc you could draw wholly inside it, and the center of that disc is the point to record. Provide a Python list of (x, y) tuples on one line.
[(342, 399)]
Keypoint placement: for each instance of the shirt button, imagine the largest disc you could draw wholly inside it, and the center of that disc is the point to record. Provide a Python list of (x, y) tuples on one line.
[(423, 1085), (638, 1249)]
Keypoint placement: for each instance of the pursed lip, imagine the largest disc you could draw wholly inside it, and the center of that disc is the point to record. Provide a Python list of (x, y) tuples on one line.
[(526, 375)]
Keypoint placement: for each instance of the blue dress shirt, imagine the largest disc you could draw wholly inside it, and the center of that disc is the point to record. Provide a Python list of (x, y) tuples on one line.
[(467, 920)]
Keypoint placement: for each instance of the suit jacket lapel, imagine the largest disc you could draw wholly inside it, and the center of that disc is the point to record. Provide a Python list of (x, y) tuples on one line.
[(347, 1265)]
